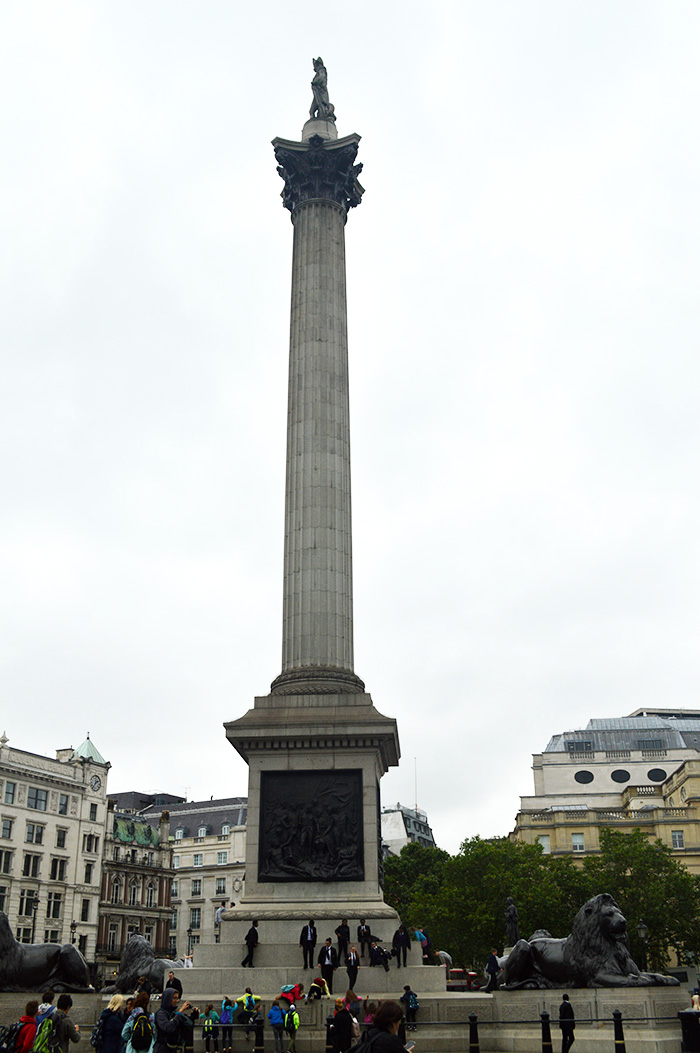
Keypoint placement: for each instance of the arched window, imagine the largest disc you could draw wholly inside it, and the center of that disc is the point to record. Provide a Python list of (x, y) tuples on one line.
[(133, 892), (116, 890), (202, 831), (225, 830), (150, 894)]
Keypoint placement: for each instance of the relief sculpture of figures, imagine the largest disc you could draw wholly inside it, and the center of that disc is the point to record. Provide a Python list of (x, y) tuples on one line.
[(512, 932), (321, 107)]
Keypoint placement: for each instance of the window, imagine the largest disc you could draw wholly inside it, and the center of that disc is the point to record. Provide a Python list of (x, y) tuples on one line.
[(27, 898), (583, 776), (198, 860), (148, 859), (173, 920), (580, 746), (220, 886), (85, 910), (577, 842), (221, 858), (10, 788), (172, 946), (620, 775), (683, 793), (677, 839), (179, 834), (91, 843), (58, 869), (93, 813), (88, 873), (656, 775), (197, 887), (63, 804), (5, 862), (202, 831), (7, 829), (53, 905), (650, 744), (150, 894), (37, 798), (116, 891), (133, 893), (112, 938), (543, 839), (173, 889), (82, 945), (195, 917), (31, 865), (148, 933), (176, 862), (115, 853), (3, 896), (35, 833), (225, 829), (24, 935), (195, 938), (50, 935), (61, 837)]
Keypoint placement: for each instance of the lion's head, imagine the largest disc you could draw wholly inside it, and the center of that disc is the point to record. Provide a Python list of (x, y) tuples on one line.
[(598, 941)]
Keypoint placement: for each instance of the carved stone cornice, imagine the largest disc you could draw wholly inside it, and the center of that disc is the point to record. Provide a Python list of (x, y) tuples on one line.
[(320, 170)]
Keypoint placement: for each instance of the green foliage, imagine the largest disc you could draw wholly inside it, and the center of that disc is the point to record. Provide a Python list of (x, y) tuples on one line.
[(461, 899)]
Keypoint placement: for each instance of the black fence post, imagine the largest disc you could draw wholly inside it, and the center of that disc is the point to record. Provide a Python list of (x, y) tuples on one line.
[(259, 1034), (546, 1033), (473, 1034), (619, 1033)]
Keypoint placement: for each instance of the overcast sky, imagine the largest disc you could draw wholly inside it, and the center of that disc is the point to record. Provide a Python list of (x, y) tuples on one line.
[(523, 325)]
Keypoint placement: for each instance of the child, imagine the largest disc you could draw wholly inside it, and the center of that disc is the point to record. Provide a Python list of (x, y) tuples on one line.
[(410, 1001), (210, 1031)]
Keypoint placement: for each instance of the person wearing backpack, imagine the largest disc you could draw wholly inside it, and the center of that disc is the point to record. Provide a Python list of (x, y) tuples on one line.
[(210, 1031), (410, 1000), (291, 1026), (26, 1033), (46, 1039), (66, 1030), (276, 1018), (107, 1036), (138, 1033), (248, 1003), (171, 1023), (226, 1021)]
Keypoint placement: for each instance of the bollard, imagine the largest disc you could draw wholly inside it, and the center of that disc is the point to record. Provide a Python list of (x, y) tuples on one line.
[(473, 1034), (259, 1035), (619, 1033), (546, 1033)]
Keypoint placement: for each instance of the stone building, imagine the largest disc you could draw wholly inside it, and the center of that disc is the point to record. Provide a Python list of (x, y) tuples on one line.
[(637, 771), (53, 813), (401, 826), (136, 886), (207, 839)]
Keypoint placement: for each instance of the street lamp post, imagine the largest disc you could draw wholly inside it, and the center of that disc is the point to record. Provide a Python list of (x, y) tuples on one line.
[(642, 931), (35, 907), (73, 927), (189, 941)]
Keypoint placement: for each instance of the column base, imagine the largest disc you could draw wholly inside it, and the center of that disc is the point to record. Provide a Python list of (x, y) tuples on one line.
[(317, 680)]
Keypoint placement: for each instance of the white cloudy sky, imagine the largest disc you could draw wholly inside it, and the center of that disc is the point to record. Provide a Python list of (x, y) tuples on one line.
[(523, 313)]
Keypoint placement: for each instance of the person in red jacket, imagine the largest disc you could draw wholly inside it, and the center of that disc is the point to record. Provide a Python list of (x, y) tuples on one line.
[(25, 1039)]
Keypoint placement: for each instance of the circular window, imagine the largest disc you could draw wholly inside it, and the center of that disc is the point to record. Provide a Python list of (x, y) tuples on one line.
[(620, 775), (584, 776), (656, 775)]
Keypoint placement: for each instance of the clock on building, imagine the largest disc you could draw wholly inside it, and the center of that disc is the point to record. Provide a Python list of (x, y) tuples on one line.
[(95, 782)]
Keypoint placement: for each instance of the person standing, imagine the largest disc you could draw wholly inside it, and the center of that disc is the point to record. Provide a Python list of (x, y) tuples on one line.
[(567, 1023), (226, 1021), (342, 1027), (66, 1030), (364, 937), (410, 1001), (328, 960), (173, 982), (352, 964), (444, 959), (210, 1030), (493, 968), (400, 944), (307, 942), (251, 942), (276, 1018), (291, 1026), (112, 1024), (217, 921), (343, 934), (27, 1033)]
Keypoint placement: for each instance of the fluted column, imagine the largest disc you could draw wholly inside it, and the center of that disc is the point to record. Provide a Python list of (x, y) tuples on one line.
[(317, 638)]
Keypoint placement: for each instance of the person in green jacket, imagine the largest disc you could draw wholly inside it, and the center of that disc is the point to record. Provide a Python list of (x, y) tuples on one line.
[(291, 1026)]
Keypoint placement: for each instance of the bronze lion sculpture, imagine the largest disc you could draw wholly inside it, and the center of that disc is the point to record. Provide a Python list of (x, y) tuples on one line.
[(596, 954), (139, 960), (39, 966)]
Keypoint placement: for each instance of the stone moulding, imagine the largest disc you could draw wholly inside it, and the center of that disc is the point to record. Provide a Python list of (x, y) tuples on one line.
[(320, 169)]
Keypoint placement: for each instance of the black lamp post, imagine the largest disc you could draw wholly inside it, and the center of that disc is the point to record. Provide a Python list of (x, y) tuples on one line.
[(642, 931), (189, 941), (73, 927), (35, 907)]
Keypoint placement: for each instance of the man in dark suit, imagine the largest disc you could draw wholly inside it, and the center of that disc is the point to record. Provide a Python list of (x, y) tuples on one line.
[(352, 963), (328, 960), (343, 934), (251, 942), (364, 937), (567, 1023), (307, 942)]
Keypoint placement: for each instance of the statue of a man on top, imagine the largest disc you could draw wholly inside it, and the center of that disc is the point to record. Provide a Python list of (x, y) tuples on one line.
[(321, 107)]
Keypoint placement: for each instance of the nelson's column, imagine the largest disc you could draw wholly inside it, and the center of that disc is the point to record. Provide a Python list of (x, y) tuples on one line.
[(315, 745)]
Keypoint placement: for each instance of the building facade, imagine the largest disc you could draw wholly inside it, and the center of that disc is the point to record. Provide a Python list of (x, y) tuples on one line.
[(53, 816), (640, 771), (135, 886), (401, 826)]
